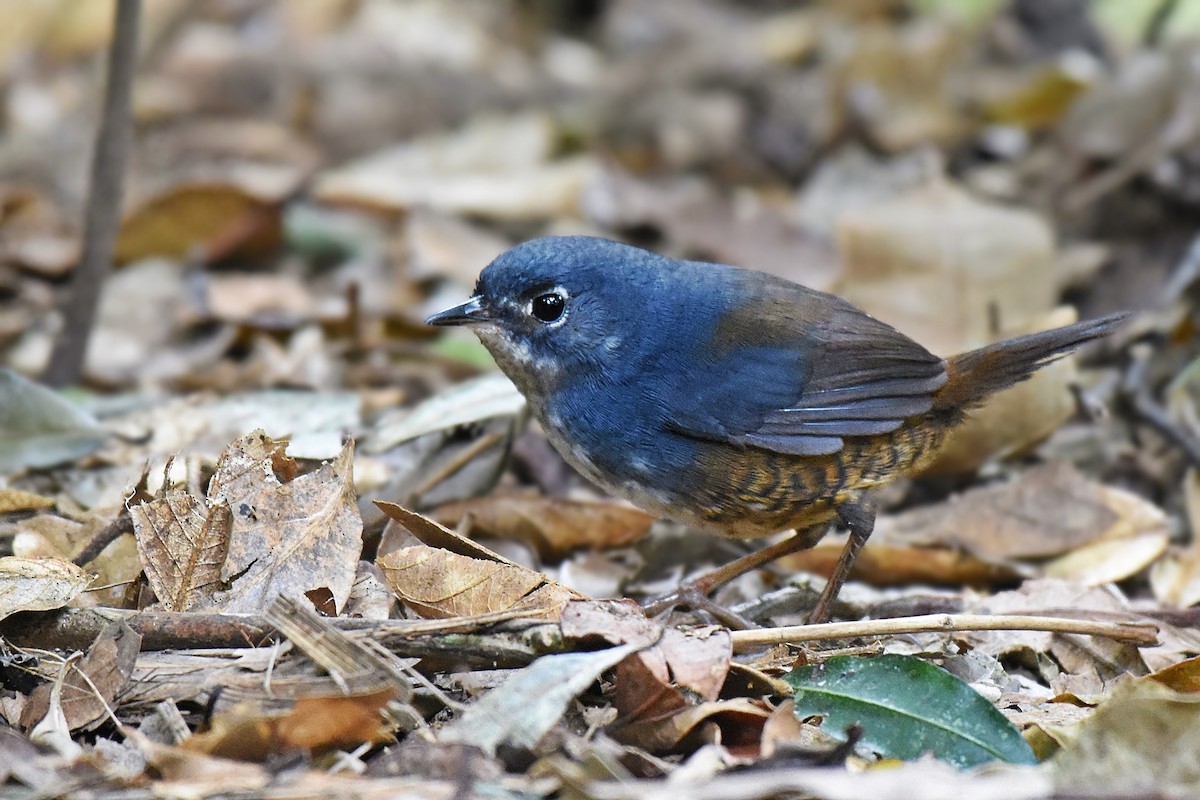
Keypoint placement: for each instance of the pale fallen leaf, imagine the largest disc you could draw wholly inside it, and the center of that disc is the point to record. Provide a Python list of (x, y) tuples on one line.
[(19, 500), (499, 168), (1176, 578), (1049, 510), (520, 711), (38, 584), (1141, 742), (41, 428)]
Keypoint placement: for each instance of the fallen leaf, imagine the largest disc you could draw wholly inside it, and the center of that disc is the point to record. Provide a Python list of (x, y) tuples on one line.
[(1181, 677), (182, 543), (552, 526), (520, 711), (288, 536), (93, 682), (40, 584), (1140, 742), (1175, 579), (314, 724), (735, 724), (41, 428), (19, 500), (1049, 510), (213, 221)]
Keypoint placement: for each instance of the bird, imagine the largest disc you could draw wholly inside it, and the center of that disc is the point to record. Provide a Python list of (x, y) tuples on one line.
[(727, 399)]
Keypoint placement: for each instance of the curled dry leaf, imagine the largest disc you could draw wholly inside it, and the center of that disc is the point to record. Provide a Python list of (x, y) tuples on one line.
[(19, 500), (449, 575), (552, 526), (38, 584)]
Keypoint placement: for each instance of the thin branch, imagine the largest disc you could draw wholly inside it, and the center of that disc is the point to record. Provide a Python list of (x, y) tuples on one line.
[(1139, 634), (104, 201)]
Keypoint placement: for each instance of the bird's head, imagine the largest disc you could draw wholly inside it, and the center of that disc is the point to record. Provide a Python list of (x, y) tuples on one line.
[(553, 306)]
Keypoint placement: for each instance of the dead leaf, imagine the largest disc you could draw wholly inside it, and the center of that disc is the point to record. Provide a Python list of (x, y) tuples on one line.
[(314, 724), (213, 221), (1050, 510), (736, 724), (41, 428), (897, 564), (520, 711), (438, 583), (552, 526), (1182, 677), (19, 500), (1176, 578), (182, 543), (38, 584), (288, 536), (94, 682), (1141, 741)]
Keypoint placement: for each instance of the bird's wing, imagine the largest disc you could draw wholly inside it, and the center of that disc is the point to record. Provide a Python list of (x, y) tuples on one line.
[(796, 371)]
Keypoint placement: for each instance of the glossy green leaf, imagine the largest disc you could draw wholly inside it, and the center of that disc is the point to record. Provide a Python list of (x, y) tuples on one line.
[(907, 707)]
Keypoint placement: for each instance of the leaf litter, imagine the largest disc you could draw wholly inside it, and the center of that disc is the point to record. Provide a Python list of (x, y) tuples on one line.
[(265, 432)]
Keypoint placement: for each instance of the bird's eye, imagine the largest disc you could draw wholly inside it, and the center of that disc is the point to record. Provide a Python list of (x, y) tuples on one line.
[(549, 307)]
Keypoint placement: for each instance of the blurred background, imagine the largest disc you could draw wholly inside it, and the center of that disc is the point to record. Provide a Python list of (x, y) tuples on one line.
[(307, 180)]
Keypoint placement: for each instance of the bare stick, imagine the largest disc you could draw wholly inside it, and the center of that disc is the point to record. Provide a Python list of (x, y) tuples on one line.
[(104, 202), (1139, 634)]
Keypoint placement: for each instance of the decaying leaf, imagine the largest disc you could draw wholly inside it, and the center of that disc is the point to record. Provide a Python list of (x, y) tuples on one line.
[(38, 584), (288, 535), (20, 500), (93, 682), (1045, 511), (450, 576), (552, 526), (182, 543)]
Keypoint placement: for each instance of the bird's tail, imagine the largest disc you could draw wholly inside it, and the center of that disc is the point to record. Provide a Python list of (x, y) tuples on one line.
[(977, 375)]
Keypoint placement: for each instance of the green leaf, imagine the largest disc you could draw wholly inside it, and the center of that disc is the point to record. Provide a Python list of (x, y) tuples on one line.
[(907, 707)]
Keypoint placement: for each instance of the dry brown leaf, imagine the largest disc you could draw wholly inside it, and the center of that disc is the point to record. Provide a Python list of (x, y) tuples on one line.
[(552, 526), (437, 583), (737, 724), (263, 299), (94, 682), (288, 536), (182, 543), (212, 220), (890, 564), (1176, 578), (449, 575), (1182, 677), (20, 500), (314, 724), (38, 584)]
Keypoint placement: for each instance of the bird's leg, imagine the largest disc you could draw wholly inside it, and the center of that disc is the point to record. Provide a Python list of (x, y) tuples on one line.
[(859, 516), (700, 587)]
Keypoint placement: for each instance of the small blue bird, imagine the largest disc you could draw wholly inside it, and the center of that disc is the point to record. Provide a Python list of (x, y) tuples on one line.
[(727, 399)]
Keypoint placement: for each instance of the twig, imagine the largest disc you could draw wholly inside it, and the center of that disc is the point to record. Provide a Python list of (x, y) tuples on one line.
[(1139, 634), (120, 526), (104, 201), (1135, 388), (77, 628)]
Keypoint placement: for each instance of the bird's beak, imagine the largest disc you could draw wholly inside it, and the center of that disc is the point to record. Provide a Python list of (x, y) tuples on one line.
[(465, 314)]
